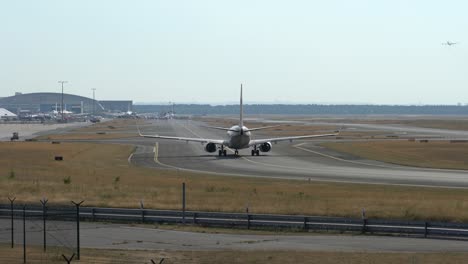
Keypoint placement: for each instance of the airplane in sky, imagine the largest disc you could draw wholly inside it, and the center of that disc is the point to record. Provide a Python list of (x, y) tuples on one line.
[(239, 137), (448, 43)]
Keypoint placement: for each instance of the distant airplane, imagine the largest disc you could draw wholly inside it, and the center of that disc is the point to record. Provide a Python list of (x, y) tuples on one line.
[(239, 137), (448, 43)]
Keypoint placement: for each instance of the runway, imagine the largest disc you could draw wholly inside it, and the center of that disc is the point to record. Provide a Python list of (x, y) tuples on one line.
[(299, 160)]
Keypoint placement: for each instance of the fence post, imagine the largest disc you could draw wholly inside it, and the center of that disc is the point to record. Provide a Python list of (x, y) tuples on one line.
[(194, 218), (183, 203), (248, 221), (24, 233), (142, 207), (305, 223), (77, 228), (12, 200), (364, 221), (93, 213), (44, 209), (425, 229)]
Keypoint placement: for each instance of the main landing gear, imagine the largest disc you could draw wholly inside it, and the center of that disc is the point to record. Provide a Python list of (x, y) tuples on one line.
[(222, 152), (255, 151)]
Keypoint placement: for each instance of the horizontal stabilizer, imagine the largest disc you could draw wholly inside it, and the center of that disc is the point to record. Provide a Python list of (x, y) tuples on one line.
[(260, 128)]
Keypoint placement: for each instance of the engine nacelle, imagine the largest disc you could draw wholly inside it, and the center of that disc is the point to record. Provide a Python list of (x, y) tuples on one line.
[(210, 147), (265, 147)]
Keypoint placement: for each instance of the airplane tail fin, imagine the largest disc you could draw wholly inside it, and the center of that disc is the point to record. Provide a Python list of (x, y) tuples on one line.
[(241, 117)]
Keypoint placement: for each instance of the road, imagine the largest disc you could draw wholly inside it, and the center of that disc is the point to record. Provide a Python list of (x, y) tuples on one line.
[(34, 129), (300, 160), (115, 236)]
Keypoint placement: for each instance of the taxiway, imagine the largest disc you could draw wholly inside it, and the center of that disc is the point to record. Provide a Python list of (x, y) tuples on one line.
[(299, 160)]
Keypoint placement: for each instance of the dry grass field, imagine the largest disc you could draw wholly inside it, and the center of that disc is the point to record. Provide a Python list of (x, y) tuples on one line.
[(114, 125), (117, 128), (433, 154), (100, 175), (461, 124), (87, 136), (105, 256), (451, 124)]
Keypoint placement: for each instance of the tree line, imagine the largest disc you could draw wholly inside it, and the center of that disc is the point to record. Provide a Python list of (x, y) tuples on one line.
[(306, 109)]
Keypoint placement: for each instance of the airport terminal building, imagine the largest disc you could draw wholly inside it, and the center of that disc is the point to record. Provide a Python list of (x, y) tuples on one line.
[(47, 102)]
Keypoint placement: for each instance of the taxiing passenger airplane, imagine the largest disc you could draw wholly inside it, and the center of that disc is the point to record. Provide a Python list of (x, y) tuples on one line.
[(239, 137)]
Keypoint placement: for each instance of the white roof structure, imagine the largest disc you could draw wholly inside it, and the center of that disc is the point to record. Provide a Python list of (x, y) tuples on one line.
[(6, 113)]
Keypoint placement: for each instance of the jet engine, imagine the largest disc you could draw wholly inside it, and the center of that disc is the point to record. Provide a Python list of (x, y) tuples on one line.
[(210, 147), (265, 147)]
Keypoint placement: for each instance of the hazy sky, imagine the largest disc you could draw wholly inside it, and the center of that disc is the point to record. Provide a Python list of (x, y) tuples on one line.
[(361, 51)]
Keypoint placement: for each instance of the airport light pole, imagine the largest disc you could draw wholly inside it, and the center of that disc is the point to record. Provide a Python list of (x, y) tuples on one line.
[(94, 102), (61, 107)]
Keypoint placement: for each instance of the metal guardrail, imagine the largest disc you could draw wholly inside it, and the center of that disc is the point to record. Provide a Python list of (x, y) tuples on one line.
[(244, 220)]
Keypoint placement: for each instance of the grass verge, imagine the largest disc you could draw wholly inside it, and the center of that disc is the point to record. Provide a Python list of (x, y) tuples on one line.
[(433, 154), (107, 256), (101, 175), (113, 129)]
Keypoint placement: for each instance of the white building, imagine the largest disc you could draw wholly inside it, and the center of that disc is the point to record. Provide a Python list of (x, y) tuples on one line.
[(5, 114)]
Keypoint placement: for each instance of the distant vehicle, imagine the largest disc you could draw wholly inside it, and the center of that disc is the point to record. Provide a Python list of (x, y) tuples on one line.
[(15, 136), (238, 138), (448, 43), (95, 119)]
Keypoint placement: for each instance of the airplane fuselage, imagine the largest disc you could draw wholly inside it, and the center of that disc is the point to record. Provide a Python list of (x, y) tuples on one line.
[(238, 138)]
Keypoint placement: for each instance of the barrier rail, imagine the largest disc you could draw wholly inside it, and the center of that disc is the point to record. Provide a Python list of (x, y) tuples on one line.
[(343, 224)]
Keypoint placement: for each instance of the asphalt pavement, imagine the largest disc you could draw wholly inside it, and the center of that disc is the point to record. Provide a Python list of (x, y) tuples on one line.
[(127, 237), (299, 160)]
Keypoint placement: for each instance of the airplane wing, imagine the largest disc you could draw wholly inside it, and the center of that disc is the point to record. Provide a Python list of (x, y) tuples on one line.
[(201, 140), (261, 141), (219, 128)]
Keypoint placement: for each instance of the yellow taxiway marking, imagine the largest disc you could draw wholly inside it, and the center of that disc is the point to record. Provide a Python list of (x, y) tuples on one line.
[(130, 158), (156, 157), (156, 152)]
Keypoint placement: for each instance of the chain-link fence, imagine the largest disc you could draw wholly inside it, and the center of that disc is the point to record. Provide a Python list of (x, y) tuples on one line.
[(39, 233), (48, 233)]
